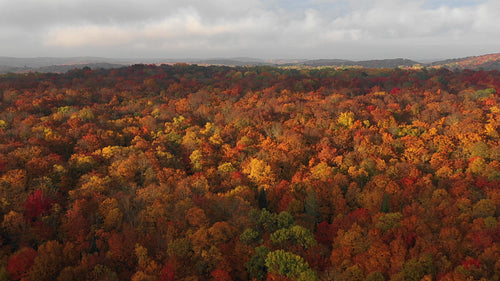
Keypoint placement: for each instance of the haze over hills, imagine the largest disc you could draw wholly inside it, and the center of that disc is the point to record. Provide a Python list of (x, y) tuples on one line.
[(59, 64), (385, 63)]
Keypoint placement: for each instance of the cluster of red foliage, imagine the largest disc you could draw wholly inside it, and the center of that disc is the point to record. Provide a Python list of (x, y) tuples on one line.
[(185, 172), (37, 204)]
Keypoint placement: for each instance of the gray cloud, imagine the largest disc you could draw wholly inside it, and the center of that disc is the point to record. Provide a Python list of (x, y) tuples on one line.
[(276, 28)]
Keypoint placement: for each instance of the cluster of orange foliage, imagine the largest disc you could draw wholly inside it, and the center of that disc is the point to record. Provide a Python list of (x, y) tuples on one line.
[(186, 172)]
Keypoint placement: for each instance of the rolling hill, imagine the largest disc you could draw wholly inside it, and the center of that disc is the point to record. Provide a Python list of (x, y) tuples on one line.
[(486, 62), (61, 65)]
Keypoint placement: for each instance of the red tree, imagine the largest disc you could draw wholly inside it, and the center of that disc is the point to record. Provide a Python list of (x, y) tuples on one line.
[(37, 204), (20, 263)]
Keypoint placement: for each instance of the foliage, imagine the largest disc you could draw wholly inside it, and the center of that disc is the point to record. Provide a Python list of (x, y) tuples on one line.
[(256, 266), (186, 172), (295, 235), (292, 266)]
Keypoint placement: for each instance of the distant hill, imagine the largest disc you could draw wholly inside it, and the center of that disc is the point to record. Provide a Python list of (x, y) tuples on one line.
[(386, 63), (68, 67), (60, 65), (63, 68), (486, 62), (7, 69), (232, 61), (322, 62), (48, 61)]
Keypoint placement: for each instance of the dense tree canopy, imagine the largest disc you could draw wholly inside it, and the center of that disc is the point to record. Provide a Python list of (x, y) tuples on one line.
[(184, 172)]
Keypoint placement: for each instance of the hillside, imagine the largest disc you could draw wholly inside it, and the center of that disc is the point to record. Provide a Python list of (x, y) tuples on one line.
[(60, 65), (386, 63), (56, 65), (485, 62), (184, 172)]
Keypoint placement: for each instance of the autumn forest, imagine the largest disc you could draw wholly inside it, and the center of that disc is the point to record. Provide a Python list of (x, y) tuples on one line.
[(187, 172)]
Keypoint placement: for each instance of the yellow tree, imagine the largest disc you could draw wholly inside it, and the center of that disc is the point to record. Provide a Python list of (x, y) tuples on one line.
[(259, 172)]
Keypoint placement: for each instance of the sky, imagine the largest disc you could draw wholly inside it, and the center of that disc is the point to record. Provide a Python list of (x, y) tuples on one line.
[(273, 29)]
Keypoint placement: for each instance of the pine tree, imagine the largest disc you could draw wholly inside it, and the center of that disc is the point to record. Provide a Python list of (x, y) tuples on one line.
[(262, 199), (384, 207), (311, 205)]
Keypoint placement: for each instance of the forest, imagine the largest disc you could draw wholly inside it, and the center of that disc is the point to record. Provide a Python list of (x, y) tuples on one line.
[(187, 172)]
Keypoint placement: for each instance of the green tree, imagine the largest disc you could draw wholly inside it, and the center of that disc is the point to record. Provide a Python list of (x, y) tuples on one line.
[(389, 221), (268, 220), (384, 206), (294, 235), (416, 268), (311, 206), (290, 265), (256, 266), (285, 220), (249, 236)]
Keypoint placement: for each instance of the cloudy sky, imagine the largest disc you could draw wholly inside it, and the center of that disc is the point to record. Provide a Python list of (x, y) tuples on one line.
[(347, 29)]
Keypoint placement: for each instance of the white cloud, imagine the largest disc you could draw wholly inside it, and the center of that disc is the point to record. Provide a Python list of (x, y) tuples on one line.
[(252, 27), (89, 35)]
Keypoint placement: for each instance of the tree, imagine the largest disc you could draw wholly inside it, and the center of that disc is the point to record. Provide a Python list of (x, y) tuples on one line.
[(196, 217), (259, 171), (290, 265), (388, 221), (196, 160), (221, 275), (267, 221), (256, 266), (294, 235), (262, 198), (311, 206), (285, 220), (324, 233), (346, 119), (250, 236), (37, 204), (353, 273), (384, 207), (20, 263), (15, 226), (484, 208), (48, 262), (167, 272), (221, 232), (375, 276), (121, 248), (147, 268), (111, 213), (415, 269)]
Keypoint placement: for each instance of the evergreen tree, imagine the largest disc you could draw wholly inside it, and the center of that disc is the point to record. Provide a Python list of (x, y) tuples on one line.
[(311, 206), (262, 199), (384, 206)]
